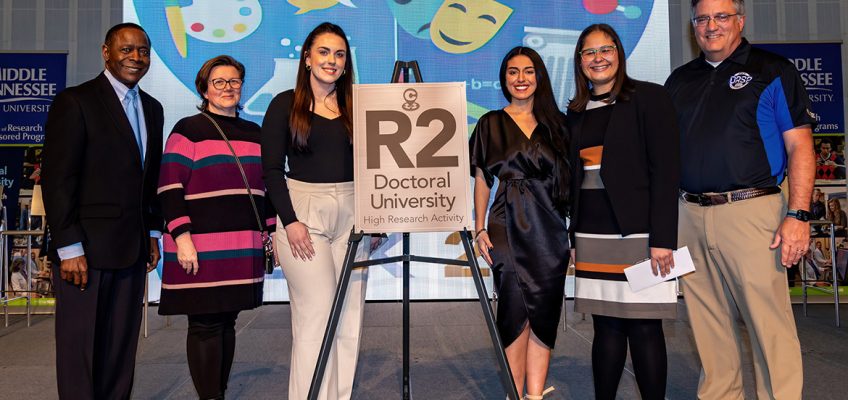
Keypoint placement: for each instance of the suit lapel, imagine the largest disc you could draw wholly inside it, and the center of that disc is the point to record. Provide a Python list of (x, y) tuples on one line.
[(620, 123), (148, 122), (116, 113)]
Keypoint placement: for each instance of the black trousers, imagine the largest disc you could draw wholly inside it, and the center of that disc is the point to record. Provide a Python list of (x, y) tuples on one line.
[(97, 333), (210, 346)]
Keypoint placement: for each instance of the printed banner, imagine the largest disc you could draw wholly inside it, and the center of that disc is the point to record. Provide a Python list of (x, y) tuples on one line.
[(411, 158), (461, 40), (453, 41), (820, 66), (28, 83), (11, 175)]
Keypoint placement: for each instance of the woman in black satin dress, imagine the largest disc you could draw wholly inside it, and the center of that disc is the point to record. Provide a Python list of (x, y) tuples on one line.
[(526, 242)]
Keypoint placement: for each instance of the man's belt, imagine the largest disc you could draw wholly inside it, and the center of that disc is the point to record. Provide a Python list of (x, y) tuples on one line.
[(714, 199)]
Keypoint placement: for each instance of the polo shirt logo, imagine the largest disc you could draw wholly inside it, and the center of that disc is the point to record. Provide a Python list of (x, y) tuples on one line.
[(740, 80)]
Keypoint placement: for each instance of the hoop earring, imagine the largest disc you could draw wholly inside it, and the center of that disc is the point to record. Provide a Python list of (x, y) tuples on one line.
[(343, 72), (308, 67)]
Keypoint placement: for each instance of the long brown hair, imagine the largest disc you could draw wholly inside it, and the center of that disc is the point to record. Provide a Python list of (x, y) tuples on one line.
[(623, 86), (547, 113), (300, 120)]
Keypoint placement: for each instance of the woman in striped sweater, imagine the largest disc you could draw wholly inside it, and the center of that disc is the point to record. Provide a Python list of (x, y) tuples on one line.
[(213, 264)]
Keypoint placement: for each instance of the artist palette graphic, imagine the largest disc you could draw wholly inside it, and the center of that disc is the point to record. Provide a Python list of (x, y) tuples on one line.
[(222, 21), (457, 40), (452, 40)]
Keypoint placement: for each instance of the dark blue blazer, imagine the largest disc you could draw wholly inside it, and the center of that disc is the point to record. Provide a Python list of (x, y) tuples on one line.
[(96, 190), (640, 168)]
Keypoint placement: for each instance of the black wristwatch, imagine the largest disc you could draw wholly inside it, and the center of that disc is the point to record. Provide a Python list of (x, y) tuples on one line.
[(800, 215)]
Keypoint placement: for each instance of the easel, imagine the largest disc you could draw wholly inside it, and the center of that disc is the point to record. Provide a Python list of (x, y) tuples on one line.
[(402, 69)]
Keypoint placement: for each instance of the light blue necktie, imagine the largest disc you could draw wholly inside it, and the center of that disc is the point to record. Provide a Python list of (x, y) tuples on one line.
[(130, 104)]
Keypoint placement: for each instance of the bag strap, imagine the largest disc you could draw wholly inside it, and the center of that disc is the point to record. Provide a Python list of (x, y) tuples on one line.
[(241, 169)]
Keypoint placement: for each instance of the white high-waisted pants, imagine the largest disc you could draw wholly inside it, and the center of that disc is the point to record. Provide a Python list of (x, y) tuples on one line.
[(327, 210)]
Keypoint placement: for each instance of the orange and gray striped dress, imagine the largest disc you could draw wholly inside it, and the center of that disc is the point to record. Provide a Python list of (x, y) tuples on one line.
[(601, 287)]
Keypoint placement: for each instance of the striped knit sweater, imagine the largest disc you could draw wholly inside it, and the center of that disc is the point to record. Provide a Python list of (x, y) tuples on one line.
[(202, 192)]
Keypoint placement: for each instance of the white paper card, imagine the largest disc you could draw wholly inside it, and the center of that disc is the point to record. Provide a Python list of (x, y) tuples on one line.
[(640, 276)]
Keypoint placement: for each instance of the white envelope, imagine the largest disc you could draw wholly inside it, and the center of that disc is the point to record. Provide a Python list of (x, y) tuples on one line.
[(640, 276)]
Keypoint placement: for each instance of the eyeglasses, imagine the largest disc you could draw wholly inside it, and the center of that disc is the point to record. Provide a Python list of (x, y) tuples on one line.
[(221, 83), (704, 20), (605, 52)]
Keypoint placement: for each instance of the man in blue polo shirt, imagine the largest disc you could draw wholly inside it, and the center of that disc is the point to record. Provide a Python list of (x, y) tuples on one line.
[(745, 120)]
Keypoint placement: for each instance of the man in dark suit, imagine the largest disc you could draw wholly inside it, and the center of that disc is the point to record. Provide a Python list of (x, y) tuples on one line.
[(101, 165)]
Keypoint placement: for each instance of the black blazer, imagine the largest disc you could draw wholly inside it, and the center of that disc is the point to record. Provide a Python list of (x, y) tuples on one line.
[(96, 190), (640, 166)]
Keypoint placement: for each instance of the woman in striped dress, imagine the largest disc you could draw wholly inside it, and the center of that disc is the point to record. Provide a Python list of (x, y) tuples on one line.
[(214, 256), (625, 143)]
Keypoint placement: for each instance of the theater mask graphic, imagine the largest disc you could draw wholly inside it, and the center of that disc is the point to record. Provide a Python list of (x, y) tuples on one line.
[(459, 40)]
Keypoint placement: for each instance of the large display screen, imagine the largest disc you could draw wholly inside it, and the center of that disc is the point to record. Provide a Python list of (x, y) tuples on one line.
[(453, 41)]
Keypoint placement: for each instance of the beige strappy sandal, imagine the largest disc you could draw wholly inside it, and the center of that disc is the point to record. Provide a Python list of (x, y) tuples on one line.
[(540, 396)]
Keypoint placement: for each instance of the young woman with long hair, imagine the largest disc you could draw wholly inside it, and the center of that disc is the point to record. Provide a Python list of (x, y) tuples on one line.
[(309, 129), (524, 145)]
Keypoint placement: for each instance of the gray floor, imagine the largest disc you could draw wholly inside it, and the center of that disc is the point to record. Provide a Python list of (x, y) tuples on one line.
[(451, 357)]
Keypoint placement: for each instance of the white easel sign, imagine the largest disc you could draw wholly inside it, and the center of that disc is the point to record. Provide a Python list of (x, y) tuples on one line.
[(411, 158)]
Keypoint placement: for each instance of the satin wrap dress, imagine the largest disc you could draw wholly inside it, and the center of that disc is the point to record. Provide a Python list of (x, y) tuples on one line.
[(529, 235)]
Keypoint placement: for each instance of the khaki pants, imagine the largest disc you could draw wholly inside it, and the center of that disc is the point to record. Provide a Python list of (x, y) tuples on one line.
[(738, 277), (327, 210)]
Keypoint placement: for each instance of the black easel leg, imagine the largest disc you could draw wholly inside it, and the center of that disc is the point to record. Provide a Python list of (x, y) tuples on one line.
[(335, 314), (406, 390), (505, 373)]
